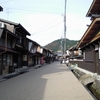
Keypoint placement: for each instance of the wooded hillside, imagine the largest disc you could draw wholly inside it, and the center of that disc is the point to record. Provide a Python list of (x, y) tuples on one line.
[(56, 45)]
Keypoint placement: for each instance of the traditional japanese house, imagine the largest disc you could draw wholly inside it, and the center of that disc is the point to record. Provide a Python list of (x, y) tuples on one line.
[(39, 54), (17, 40), (90, 42), (7, 44), (49, 56), (75, 53), (31, 49), (45, 51), (53, 56), (35, 53)]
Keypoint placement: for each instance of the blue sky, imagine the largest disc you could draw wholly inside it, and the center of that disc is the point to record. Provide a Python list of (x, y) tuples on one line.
[(44, 19)]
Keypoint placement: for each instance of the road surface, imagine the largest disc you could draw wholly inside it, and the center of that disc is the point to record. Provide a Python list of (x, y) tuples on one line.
[(50, 82)]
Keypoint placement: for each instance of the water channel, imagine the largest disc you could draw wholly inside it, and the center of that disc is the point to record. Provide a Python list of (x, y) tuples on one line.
[(89, 89)]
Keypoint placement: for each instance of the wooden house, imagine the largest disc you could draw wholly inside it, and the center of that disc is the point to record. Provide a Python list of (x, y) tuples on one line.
[(45, 54), (17, 51), (38, 55), (12, 46), (90, 42), (35, 52), (75, 53)]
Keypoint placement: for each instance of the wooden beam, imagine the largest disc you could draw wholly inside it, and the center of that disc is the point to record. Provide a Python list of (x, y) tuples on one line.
[(95, 15)]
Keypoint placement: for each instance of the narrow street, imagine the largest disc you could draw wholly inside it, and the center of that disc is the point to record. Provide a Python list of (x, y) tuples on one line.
[(50, 82)]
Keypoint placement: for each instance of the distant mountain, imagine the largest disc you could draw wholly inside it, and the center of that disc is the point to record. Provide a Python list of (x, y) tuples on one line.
[(56, 45)]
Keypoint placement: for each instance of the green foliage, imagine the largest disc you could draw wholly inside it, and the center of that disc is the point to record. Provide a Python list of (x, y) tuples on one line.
[(56, 45)]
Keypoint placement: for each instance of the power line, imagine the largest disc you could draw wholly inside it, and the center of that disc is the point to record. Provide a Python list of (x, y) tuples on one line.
[(31, 10), (6, 1), (47, 25), (49, 35), (48, 28), (42, 29)]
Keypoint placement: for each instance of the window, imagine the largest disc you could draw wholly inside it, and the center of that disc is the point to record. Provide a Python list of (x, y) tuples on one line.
[(20, 39), (96, 47), (6, 59), (83, 55), (2, 41), (9, 43), (24, 57), (89, 55)]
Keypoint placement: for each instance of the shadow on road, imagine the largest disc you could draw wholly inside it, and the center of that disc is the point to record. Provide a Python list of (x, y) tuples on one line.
[(32, 85)]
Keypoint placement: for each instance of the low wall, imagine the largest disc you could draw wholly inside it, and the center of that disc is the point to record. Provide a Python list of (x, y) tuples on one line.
[(87, 65), (87, 78)]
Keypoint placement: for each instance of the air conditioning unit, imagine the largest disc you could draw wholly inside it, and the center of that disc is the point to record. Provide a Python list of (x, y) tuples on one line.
[(2, 25)]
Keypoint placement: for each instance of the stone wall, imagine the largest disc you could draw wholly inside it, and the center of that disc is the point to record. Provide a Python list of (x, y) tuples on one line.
[(96, 84)]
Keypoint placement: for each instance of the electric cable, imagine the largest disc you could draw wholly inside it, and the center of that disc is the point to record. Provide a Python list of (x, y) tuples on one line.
[(47, 24), (47, 28), (50, 35), (6, 1), (21, 10)]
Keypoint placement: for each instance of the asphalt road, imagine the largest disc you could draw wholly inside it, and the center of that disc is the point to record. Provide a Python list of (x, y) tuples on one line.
[(50, 82)]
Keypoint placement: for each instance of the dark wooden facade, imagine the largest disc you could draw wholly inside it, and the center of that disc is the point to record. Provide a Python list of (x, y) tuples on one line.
[(17, 51), (13, 47), (7, 44), (90, 42), (75, 52)]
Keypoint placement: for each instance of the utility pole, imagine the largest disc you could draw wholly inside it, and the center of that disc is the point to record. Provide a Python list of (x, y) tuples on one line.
[(61, 46), (65, 28)]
